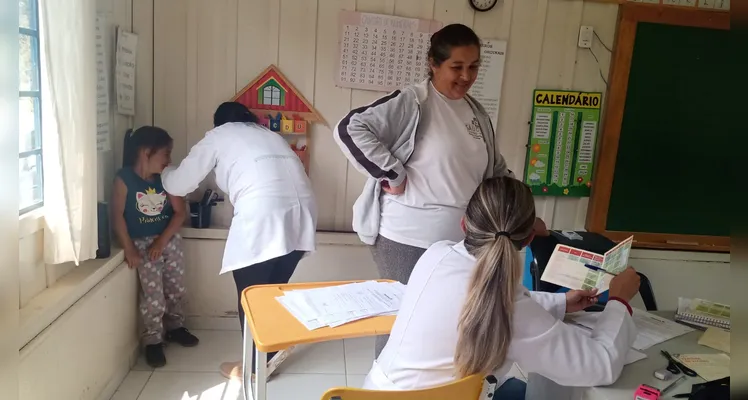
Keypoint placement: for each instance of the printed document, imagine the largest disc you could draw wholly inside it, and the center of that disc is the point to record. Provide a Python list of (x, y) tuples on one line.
[(337, 305), (652, 329), (566, 266)]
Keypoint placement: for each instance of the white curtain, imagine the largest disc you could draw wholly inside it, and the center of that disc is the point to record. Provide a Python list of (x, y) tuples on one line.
[(67, 33)]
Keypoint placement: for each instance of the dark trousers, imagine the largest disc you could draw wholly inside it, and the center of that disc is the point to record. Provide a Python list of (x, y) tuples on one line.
[(273, 271)]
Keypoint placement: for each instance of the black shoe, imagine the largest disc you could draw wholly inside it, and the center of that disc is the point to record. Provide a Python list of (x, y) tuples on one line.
[(183, 337), (154, 355)]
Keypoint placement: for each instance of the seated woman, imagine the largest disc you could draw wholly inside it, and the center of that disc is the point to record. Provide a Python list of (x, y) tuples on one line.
[(466, 312)]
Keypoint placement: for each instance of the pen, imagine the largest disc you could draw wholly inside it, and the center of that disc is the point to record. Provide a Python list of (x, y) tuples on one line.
[(672, 385), (594, 268)]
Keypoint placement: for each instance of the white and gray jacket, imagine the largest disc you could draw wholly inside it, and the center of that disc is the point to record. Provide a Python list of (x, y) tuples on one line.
[(378, 140)]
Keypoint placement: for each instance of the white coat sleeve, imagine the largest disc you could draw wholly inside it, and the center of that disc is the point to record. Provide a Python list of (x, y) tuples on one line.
[(545, 345), (554, 303), (185, 179)]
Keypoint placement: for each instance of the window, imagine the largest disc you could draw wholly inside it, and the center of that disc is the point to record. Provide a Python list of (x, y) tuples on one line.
[(30, 192), (271, 96)]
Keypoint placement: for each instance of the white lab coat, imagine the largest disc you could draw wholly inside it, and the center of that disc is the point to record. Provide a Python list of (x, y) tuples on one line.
[(274, 208), (421, 347)]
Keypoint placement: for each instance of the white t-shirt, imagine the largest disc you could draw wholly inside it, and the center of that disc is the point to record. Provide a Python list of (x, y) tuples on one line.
[(448, 163), (420, 351)]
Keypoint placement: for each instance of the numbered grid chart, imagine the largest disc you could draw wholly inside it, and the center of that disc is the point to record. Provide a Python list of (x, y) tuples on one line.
[(382, 52)]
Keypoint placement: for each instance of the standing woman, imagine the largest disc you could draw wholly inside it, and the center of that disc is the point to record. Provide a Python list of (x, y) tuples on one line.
[(275, 213), (427, 147)]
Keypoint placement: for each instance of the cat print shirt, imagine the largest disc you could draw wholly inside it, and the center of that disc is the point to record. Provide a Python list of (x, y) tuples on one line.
[(147, 207)]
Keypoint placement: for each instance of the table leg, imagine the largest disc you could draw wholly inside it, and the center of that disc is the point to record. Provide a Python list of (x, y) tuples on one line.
[(261, 374), (246, 363)]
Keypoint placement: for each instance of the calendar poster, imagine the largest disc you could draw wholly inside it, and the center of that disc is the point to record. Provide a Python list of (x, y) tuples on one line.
[(487, 86), (561, 149), (382, 52)]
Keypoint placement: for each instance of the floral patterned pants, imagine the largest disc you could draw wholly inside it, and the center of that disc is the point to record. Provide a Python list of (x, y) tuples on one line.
[(161, 288)]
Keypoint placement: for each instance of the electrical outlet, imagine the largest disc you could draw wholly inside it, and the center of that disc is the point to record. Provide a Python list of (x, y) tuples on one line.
[(585, 36)]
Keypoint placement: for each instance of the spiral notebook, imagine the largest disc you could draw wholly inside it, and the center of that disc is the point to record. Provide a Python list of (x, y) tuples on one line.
[(703, 313)]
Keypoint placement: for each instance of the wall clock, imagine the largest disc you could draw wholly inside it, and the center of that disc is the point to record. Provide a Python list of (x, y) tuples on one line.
[(483, 5)]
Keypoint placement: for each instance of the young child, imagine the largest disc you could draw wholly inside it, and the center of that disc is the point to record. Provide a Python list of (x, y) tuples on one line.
[(146, 221)]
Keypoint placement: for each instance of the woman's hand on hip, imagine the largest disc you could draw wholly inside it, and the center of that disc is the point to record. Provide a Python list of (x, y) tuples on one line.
[(396, 190)]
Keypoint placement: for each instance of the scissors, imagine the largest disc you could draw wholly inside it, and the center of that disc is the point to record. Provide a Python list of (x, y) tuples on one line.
[(676, 366)]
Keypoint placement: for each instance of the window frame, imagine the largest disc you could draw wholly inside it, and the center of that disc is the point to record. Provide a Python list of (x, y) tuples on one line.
[(33, 33)]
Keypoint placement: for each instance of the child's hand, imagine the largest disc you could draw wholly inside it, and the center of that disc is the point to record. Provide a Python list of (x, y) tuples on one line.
[(132, 256), (154, 251)]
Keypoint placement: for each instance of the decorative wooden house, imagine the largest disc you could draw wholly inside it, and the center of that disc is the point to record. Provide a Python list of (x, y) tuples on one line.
[(281, 108)]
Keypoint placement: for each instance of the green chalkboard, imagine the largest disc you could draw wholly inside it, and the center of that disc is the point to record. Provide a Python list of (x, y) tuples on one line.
[(672, 172)]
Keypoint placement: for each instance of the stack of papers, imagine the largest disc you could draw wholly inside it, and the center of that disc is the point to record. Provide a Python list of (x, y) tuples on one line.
[(337, 305), (717, 339), (652, 329), (631, 357)]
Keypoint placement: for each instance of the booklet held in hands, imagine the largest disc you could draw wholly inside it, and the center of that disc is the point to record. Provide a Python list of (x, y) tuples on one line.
[(566, 267)]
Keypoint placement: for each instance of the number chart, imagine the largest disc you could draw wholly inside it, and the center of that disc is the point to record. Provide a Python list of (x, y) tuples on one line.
[(382, 52)]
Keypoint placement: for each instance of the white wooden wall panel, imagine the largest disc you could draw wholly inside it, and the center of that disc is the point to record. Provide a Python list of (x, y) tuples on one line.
[(170, 74), (143, 24), (204, 52), (332, 102)]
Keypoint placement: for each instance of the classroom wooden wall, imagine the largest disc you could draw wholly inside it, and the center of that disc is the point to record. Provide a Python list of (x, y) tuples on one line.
[(194, 54)]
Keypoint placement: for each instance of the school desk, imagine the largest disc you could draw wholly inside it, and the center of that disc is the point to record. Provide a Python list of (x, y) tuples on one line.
[(640, 372), (273, 328)]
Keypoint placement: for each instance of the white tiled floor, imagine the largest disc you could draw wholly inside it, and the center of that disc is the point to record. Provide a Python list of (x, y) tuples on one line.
[(192, 373)]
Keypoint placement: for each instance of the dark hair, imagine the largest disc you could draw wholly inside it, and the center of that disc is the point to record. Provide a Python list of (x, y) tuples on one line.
[(151, 138), (447, 38), (232, 111)]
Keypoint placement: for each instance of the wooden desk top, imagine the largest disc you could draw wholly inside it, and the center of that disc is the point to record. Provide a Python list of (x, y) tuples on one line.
[(274, 328)]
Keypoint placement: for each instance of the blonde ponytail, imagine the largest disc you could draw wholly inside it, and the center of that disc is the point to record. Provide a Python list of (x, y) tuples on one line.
[(499, 218)]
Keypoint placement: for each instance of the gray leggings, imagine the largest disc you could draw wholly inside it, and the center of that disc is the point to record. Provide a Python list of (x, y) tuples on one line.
[(394, 261)]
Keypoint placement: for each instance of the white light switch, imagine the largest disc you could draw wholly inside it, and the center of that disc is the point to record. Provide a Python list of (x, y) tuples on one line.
[(585, 37)]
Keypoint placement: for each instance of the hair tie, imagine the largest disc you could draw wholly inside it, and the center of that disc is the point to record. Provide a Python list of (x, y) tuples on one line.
[(502, 233)]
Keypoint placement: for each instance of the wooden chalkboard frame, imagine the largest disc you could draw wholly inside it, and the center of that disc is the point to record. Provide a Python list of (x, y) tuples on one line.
[(597, 212)]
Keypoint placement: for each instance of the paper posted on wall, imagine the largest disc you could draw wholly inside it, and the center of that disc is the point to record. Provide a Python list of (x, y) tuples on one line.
[(566, 266), (127, 50), (103, 140)]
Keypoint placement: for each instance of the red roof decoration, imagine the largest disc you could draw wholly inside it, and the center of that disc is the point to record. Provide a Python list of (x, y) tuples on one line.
[(271, 93)]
